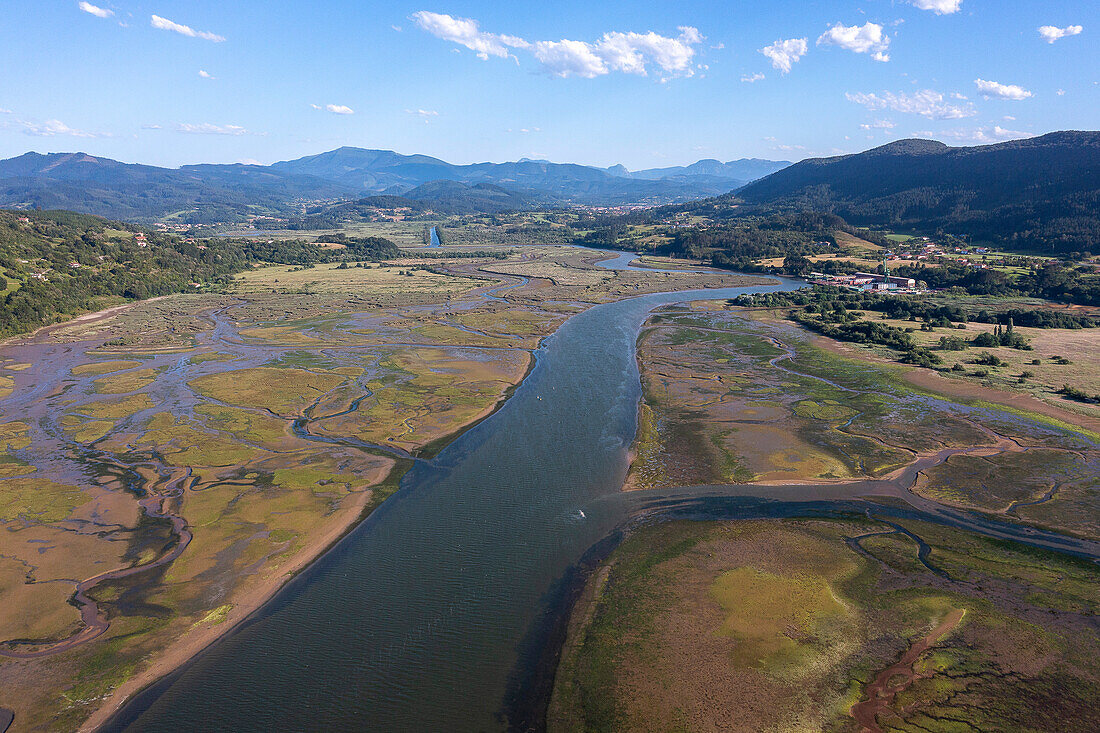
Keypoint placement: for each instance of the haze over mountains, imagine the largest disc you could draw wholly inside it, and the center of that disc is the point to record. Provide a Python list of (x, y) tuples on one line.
[(211, 192), (1038, 193)]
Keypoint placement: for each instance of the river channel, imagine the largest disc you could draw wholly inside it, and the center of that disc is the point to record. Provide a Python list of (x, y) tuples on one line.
[(429, 615)]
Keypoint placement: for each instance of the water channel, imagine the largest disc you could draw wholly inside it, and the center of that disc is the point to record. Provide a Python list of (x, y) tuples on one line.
[(429, 616)]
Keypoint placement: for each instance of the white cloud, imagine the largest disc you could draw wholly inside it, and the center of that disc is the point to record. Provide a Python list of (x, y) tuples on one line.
[(629, 53), (151, 126), (425, 114), (878, 125), (95, 10), (926, 103), (184, 30), (205, 74), (396, 28), (1052, 33), (205, 128), (570, 58), (466, 32), (1002, 91), (939, 7), (1061, 92), (315, 106), (752, 79), (339, 109), (784, 54), (978, 135), (867, 38), (54, 128)]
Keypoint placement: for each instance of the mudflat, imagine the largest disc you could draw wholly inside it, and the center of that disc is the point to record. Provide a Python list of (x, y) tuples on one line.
[(167, 466)]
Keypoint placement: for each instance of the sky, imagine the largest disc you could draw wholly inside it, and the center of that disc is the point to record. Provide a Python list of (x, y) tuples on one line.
[(644, 84)]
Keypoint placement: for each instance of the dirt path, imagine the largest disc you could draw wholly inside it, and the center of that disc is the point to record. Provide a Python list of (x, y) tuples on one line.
[(880, 693)]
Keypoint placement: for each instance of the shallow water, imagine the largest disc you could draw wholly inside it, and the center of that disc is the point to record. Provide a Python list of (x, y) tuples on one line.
[(414, 621)]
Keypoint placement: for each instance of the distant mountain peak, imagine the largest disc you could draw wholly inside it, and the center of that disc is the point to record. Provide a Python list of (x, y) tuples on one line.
[(910, 146)]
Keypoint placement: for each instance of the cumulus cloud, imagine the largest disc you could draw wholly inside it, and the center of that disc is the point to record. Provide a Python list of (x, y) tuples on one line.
[(570, 58), (939, 7), (54, 128), (978, 135), (1001, 91), (629, 53), (926, 103), (339, 109), (95, 10), (184, 30), (878, 125), (466, 32), (1052, 33), (747, 79), (205, 128), (205, 74), (866, 38), (784, 54)]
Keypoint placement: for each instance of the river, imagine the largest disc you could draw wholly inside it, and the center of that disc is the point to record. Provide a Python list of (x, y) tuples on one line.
[(412, 622), (429, 613)]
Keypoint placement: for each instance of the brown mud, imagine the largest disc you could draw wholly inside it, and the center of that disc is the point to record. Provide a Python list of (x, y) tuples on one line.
[(880, 693)]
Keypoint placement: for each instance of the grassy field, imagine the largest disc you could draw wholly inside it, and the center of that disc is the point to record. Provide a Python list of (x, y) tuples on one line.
[(783, 625), (728, 399), (1019, 370), (373, 279), (719, 412)]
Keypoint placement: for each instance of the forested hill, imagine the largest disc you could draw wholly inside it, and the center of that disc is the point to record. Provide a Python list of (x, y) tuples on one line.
[(1040, 194), (58, 263)]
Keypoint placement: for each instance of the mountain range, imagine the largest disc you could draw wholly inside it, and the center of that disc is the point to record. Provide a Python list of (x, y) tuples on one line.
[(1040, 193), (209, 192)]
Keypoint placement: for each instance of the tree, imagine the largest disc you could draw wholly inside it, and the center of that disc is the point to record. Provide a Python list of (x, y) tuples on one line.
[(796, 265)]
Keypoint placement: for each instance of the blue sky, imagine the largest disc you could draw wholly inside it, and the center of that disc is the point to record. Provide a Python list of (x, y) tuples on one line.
[(643, 84)]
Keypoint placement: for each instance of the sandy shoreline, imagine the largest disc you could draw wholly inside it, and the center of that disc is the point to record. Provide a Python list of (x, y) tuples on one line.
[(85, 319)]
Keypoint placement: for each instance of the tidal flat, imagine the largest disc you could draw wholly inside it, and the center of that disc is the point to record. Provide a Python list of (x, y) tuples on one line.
[(170, 465), (875, 618), (834, 625)]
